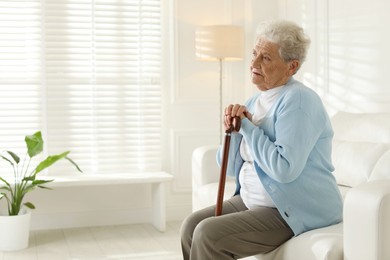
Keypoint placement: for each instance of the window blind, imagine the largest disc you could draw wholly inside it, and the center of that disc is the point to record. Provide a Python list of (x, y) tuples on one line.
[(95, 82)]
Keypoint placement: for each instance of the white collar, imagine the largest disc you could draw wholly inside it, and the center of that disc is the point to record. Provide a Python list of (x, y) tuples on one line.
[(271, 93)]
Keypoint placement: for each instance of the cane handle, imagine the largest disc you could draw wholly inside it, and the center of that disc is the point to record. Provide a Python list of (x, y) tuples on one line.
[(235, 126)]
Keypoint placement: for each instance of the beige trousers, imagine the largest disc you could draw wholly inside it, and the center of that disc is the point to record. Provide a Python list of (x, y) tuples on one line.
[(238, 233)]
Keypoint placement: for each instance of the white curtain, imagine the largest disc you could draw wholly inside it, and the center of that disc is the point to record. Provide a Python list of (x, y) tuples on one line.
[(86, 73)]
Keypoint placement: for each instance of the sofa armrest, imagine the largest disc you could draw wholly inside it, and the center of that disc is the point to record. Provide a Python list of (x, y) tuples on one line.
[(205, 172), (366, 221), (204, 165)]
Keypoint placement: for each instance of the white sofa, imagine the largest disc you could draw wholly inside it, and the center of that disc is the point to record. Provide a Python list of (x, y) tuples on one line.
[(361, 156)]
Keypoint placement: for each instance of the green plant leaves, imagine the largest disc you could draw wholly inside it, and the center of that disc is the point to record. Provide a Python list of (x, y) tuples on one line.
[(75, 164), (14, 156), (6, 183), (29, 205), (25, 181), (39, 182), (34, 144), (49, 161)]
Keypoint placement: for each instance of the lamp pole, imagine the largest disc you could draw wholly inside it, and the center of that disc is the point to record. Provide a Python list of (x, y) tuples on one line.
[(221, 115)]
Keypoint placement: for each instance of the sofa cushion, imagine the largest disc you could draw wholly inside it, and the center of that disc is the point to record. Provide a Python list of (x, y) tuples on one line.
[(318, 244), (354, 161), (382, 168), (367, 127)]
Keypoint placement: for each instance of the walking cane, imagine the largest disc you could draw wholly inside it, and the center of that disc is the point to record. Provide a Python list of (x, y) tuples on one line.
[(236, 124)]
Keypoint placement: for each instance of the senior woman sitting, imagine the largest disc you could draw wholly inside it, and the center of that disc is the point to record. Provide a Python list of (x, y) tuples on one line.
[(281, 158)]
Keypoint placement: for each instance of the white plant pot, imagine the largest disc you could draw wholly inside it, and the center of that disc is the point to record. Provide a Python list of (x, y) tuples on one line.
[(14, 231)]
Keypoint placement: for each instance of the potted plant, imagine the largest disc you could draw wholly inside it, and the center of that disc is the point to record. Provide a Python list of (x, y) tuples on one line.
[(14, 190)]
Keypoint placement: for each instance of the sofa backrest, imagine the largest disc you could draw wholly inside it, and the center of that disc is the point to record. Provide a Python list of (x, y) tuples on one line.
[(361, 147)]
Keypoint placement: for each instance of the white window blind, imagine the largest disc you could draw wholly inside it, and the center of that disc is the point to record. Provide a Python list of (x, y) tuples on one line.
[(93, 81)]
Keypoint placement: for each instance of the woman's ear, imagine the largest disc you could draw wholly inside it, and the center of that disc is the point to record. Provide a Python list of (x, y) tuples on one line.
[(293, 67)]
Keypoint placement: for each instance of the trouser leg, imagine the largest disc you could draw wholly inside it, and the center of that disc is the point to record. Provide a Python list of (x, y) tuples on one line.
[(189, 224), (237, 233)]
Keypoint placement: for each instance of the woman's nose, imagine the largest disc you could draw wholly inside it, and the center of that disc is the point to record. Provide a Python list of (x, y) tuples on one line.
[(256, 62)]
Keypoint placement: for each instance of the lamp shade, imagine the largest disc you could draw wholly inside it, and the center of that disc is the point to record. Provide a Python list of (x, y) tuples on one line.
[(219, 42)]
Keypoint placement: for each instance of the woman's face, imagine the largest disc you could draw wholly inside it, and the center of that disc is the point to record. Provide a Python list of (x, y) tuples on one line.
[(268, 69)]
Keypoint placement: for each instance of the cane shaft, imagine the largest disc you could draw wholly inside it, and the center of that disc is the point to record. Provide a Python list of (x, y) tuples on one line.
[(236, 124), (222, 175)]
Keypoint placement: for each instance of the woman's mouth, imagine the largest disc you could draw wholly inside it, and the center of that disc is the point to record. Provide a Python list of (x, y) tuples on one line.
[(256, 73)]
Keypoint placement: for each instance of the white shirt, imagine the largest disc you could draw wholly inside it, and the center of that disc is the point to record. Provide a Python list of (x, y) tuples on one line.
[(252, 190)]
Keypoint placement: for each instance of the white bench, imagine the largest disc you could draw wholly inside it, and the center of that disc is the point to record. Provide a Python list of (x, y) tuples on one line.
[(156, 179)]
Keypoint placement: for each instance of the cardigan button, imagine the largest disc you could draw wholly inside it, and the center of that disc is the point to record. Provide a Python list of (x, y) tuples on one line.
[(286, 214)]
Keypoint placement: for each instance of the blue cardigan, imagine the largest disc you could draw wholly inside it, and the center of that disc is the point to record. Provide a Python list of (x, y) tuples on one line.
[(292, 157)]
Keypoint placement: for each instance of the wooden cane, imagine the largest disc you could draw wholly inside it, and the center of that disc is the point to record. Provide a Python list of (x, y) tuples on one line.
[(236, 124)]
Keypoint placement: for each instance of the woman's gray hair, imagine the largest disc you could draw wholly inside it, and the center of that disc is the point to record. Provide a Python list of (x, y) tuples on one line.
[(293, 42)]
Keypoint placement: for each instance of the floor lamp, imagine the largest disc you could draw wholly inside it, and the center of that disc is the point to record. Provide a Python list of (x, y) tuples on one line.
[(219, 43)]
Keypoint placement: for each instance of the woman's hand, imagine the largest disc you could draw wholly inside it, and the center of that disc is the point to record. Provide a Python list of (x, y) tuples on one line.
[(233, 111)]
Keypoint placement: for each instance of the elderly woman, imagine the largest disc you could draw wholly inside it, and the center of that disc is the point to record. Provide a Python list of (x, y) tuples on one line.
[(281, 158)]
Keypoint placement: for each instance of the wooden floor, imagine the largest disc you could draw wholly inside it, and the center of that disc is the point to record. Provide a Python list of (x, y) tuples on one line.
[(135, 242)]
